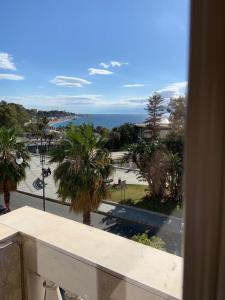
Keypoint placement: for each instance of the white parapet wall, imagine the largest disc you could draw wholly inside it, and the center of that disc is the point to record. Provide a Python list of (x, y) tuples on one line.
[(10, 264), (89, 262)]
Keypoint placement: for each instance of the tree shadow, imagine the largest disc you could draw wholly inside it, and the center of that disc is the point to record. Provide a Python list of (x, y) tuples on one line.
[(128, 229), (125, 228), (164, 206)]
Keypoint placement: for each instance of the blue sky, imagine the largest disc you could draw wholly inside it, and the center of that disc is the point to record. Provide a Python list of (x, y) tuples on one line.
[(92, 56)]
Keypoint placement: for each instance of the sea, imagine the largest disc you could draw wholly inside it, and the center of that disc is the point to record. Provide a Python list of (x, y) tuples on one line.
[(105, 120)]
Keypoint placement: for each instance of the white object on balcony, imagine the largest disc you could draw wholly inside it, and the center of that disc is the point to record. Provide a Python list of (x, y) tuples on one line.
[(51, 291)]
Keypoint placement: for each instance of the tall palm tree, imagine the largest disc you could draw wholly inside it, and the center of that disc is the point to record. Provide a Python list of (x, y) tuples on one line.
[(83, 168), (12, 170)]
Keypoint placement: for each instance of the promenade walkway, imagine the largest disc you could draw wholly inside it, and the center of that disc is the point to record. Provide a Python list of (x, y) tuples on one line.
[(139, 216), (35, 171)]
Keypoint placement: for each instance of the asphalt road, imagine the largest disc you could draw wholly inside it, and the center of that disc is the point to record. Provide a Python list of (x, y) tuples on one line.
[(111, 224)]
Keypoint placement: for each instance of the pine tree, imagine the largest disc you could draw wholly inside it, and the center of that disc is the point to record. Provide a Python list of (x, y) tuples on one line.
[(155, 111), (177, 110)]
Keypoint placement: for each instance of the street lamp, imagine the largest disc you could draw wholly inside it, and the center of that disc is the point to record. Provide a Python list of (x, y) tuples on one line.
[(19, 159), (42, 161)]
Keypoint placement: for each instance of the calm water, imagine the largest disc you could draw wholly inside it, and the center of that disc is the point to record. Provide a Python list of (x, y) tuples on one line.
[(106, 120)]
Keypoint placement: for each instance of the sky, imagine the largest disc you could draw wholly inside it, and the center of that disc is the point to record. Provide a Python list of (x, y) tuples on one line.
[(92, 56)]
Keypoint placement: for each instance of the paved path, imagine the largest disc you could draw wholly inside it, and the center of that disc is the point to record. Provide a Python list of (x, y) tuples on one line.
[(109, 223), (35, 171), (171, 224)]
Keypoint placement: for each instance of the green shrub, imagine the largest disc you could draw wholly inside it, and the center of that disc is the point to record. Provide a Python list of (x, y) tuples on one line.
[(154, 241)]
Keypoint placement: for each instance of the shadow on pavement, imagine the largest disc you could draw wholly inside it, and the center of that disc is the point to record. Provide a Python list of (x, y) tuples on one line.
[(124, 229)]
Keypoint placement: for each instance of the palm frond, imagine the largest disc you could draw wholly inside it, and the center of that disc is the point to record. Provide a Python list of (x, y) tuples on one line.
[(83, 167)]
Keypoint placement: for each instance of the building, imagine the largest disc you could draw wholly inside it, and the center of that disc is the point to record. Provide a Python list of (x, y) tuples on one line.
[(164, 128)]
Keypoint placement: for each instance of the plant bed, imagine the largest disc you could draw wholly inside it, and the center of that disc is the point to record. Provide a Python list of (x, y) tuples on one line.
[(137, 196)]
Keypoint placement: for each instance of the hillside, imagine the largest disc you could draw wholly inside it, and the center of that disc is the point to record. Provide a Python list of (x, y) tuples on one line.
[(14, 115)]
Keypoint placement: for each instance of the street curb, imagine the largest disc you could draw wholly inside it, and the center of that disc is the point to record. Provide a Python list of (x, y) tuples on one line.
[(97, 211), (40, 197), (106, 202)]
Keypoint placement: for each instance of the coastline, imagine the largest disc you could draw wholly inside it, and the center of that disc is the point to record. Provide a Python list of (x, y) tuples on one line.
[(61, 120), (104, 120)]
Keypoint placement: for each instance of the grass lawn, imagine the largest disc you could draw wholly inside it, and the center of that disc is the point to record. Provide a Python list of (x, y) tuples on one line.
[(135, 192), (136, 195)]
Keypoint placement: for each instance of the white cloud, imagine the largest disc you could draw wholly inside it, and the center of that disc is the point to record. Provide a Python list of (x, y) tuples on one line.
[(133, 101), (69, 81), (11, 77), (6, 61), (133, 85), (174, 90), (115, 63), (103, 65), (112, 63), (93, 71), (87, 100), (54, 100)]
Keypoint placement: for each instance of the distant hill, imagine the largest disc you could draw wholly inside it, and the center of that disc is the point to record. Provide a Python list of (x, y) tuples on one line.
[(14, 115), (54, 114)]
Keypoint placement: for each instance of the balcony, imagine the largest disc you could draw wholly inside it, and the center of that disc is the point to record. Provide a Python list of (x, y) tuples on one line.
[(40, 252)]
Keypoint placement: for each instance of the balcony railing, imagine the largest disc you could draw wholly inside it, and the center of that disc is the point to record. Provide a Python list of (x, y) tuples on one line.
[(40, 252)]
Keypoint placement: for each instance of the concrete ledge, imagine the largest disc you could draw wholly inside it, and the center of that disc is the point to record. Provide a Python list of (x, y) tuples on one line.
[(93, 263), (7, 233)]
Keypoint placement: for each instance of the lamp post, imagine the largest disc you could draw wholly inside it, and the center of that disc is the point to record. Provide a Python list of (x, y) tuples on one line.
[(42, 161), (19, 159)]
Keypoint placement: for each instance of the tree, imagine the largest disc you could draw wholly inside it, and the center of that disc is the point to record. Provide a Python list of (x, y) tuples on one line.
[(104, 132), (160, 165), (174, 143), (83, 167), (13, 115), (128, 134), (177, 110), (42, 126), (11, 173), (153, 241), (114, 140), (150, 157), (155, 111), (39, 128), (174, 176), (121, 137)]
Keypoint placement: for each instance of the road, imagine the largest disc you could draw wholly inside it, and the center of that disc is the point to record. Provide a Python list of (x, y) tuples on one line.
[(111, 224)]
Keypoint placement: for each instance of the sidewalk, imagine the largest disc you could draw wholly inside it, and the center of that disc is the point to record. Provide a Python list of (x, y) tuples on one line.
[(35, 171)]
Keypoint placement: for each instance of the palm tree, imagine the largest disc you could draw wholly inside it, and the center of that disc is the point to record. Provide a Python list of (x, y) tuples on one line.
[(13, 163), (82, 171)]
